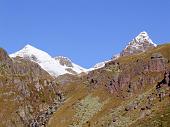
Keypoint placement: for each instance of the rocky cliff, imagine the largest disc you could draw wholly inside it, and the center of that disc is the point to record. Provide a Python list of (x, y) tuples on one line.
[(28, 94)]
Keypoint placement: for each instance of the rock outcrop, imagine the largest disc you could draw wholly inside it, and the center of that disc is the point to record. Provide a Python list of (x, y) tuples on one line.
[(64, 61), (141, 69), (4, 56)]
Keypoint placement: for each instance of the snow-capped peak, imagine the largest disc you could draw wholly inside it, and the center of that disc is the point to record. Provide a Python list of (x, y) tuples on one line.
[(54, 66), (143, 36), (29, 46), (32, 53), (140, 43)]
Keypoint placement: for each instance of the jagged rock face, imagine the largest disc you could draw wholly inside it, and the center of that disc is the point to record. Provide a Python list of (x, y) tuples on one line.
[(165, 80), (27, 91), (130, 75), (139, 69), (140, 44), (3, 55), (64, 61), (157, 62)]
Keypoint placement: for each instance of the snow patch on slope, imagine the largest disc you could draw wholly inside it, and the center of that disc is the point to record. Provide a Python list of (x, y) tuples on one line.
[(102, 64), (98, 65)]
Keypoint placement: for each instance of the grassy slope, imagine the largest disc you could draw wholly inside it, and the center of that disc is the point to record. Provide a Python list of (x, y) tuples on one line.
[(112, 105), (160, 116)]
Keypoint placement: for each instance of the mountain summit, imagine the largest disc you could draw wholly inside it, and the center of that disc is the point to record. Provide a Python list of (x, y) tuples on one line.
[(141, 43), (54, 66)]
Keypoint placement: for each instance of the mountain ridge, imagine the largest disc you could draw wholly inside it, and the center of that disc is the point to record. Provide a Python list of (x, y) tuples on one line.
[(63, 65), (47, 62)]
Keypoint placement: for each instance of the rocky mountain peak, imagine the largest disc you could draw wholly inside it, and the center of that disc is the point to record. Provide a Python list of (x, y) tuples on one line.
[(64, 61), (143, 37), (140, 43), (3, 55)]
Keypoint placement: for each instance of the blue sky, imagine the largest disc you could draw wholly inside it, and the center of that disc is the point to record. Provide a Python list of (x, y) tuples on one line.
[(87, 31)]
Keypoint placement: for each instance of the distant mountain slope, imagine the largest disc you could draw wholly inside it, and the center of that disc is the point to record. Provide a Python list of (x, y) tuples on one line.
[(54, 66)]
